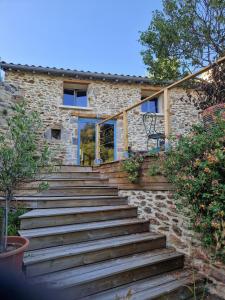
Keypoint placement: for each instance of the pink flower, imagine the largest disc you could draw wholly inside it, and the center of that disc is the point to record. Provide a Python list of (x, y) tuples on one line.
[(178, 135)]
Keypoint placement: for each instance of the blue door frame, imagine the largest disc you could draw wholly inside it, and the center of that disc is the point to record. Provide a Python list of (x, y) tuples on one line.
[(94, 121)]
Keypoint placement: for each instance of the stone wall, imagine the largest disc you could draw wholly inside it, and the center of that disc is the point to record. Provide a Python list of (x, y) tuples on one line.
[(137, 135), (183, 115), (45, 94), (107, 98), (159, 207), (9, 94)]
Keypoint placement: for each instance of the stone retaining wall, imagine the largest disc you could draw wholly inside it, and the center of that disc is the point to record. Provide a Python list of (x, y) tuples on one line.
[(159, 207)]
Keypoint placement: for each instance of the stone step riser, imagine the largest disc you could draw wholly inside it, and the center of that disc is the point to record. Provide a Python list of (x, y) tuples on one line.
[(86, 235), (69, 192), (66, 262), (48, 221), (66, 203), (67, 183), (98, 285)]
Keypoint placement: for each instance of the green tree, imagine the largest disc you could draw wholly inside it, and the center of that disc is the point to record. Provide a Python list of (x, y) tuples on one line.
[(186, 35), (21, 157)]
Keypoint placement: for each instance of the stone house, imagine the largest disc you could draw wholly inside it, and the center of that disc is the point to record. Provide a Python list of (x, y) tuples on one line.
[(71, 102)]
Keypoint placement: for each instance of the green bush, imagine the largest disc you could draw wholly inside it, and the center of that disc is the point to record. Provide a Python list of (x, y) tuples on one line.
[(196, 167), (132, 166), (13, 219)]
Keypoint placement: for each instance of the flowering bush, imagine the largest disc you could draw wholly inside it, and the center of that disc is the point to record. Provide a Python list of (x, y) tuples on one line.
[(196, 167), (132, 166)]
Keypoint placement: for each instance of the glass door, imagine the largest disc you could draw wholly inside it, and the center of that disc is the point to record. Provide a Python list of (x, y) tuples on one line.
[(107, 142), (87, 141)]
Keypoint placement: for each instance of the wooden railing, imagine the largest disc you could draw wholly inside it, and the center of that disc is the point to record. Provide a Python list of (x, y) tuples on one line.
[(166, 108)]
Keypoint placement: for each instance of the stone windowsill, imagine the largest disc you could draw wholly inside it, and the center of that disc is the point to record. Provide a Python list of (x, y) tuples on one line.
[(74, 107), (157, 114)]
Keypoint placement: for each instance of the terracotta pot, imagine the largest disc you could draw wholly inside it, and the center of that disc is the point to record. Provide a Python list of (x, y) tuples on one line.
[(14, 259), (209, 114)]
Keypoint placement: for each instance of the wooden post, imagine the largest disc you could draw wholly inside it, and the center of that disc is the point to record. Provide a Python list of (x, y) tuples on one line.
[(167, 113), (97, 154), (125, 133), (167, 118)]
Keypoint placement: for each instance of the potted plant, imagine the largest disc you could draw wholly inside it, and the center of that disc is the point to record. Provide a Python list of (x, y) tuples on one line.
[(21, 158), (209, 96)]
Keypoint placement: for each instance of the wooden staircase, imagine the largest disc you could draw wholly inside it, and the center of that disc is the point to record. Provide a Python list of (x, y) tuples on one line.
[(87, 242)]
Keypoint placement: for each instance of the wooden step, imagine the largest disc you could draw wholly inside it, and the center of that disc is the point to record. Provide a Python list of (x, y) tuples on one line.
[(67, 168), (63, 257), (72, 175), (70, 191), (64, 216), (169, 286), (63, 201), (68, 234), (86, 280), (67, 182)]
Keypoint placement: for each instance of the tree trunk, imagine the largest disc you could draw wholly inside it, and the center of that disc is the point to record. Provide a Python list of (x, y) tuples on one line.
[(4, 227)]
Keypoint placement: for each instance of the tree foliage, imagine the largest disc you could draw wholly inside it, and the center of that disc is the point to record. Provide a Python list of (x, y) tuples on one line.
[(21, 156), (186, 35), (208, 93)]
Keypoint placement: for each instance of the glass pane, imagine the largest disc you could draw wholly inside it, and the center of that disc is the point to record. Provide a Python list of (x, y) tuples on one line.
[(144, 107), (150, 106), (68, 97), (87, 144), (81, 98), (107, 142)]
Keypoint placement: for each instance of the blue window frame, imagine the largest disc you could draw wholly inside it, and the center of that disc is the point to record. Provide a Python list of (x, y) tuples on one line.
[(75, 98), (150, 106)]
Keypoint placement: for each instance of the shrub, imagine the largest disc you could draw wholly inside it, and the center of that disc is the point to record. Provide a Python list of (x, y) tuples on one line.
[(132, 166), (196, 167), (13, 219)]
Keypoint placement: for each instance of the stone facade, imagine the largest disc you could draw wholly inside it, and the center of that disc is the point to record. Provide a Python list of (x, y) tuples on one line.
[(159, 207), (9, 94), (183, 115), (45, 94)]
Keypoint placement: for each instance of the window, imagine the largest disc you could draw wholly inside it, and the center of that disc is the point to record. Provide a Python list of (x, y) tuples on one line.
[(75, 97), (150, 106), (56, 134)]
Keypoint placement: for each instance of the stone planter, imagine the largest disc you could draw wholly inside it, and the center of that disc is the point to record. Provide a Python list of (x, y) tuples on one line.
[(211, 113)]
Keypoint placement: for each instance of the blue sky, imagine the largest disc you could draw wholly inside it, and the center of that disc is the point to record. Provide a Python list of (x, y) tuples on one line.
[(94, 35)]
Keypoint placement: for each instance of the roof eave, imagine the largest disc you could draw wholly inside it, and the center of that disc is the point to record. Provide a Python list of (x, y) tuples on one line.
[(77, 74)]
